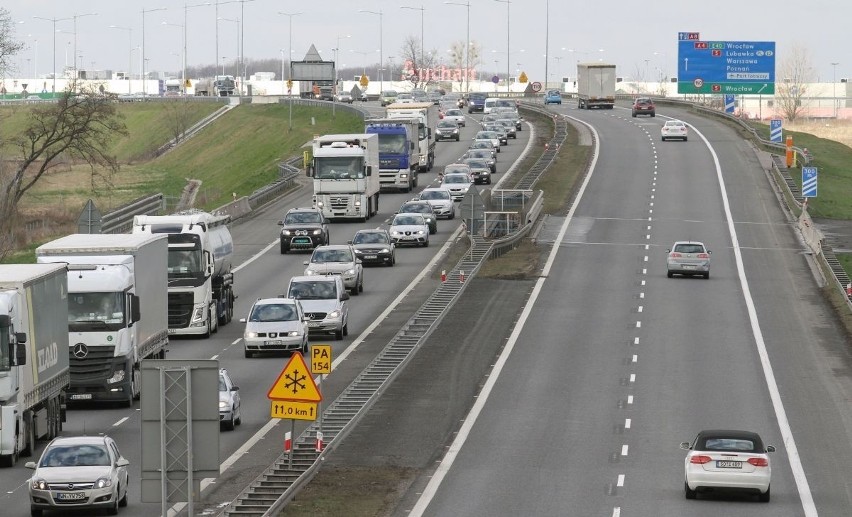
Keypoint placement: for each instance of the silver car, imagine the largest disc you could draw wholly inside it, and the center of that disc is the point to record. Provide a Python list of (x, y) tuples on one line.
[(79, 472), (275, 325), (441, 201), (230, 414), (688, 258), (491, 136), (325, 301), (457, 184), (338, 259)]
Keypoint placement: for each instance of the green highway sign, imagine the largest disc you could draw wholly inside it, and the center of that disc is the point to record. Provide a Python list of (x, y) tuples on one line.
[(729, 88)]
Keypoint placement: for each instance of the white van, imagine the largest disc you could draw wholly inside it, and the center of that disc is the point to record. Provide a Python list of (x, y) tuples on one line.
[(490, 103)]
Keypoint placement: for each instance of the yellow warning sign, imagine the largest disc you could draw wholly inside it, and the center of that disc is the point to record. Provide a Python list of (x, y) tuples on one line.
[(364, 81), (289, 83), (293, 410), (295, 383), (321, 359), (187, 84), (523, 77)]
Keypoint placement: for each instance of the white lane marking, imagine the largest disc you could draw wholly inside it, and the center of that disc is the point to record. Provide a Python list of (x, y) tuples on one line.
[(256, 256), (777, 404), (645, 259), (638, 324), (616, 512), (125, 419), (647, 237), (640, 308), (641, 295), (620, 481), (214, 357), (630, 399), (649, 227), (627, 423), (632, 378), (644, 272), (647, 247), (635, 358), (636, 340), (236, 341), (643, 282), (464, 432)]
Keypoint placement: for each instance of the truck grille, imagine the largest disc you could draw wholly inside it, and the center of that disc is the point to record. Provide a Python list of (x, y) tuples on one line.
[(315, 315), (339, 202), (180, 310), (95, 364)]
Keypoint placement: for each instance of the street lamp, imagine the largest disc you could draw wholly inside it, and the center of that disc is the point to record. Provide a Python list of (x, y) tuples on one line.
[(422, 48), (365, 54), (508, 59), (467, 46), (238, 44), (290, 62), (145, 61), (54, 20), (130, 54), (834, 86), (381, 48), (183, 59), (663, 66)]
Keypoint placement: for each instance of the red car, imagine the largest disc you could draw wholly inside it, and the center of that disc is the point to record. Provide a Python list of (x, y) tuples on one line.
[(644, 106)]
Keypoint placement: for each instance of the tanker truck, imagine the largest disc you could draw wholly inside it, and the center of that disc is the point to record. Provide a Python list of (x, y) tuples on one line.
[(201, 282), (116, 308), (33, 356)]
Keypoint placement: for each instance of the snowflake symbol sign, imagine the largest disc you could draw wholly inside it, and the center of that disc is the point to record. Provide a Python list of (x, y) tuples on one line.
[(295, 381)]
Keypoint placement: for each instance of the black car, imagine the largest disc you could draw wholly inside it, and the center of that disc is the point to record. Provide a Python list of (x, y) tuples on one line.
[(303, 229), (374, 247), (447, 130), (479, 169), (421, 207)]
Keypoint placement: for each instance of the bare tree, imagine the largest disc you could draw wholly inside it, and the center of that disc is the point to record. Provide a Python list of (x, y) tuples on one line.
[(416, 64), (178, 116), (457, 55), (8, 46), (77, 128), (794, 75)]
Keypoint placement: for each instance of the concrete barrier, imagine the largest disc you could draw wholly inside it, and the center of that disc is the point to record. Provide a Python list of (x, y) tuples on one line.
[(236, 209), (812, 235)]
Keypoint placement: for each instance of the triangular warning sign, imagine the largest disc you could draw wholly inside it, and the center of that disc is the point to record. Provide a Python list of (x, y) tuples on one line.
[(312, 55), (295, 382)]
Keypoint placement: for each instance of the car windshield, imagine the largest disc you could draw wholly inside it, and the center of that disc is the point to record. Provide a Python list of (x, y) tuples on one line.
[(434, 194), (370, 238), (303, 218), (447, 123), (484, 135), (416, 208), (317, 290), (391, 144), (328, 168), (222, 385), (404, 220), (478, 164), (273, 312), (689, 248), (454, 113), (76, 456), (456, 178), (642, 101), (450, 169), (341, 255), (96, 307)]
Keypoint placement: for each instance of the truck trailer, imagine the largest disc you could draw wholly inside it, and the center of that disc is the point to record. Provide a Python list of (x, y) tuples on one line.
[(399, 151), (200, 277), (427, 114), (595, 85), (34, 372), (346, 178), (117, 295)]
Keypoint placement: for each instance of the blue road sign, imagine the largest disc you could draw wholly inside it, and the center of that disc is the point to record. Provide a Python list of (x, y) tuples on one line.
[(775, 130), (809, 182), (730, 103), (744, 67)]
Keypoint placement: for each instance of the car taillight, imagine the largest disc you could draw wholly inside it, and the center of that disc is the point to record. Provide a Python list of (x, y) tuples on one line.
[(703, 255), (700, 460), (675, 254), (759, 462)]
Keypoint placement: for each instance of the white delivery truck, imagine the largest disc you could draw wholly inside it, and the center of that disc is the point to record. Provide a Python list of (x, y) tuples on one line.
[(399, 151), (595, 85), (345, 170), (33, 356), (427, 114), (117, 295), (200, 276)]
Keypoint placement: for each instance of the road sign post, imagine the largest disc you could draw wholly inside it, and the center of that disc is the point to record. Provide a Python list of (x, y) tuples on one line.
[(321, 365), (294, 394)]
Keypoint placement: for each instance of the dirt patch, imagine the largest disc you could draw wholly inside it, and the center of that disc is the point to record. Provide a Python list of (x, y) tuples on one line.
[(522, 263)]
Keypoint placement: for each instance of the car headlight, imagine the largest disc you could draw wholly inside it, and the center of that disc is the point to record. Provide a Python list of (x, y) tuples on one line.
[(359, 252), (198, 314), (103, 482), (385, 250), (396, 233), (420, 232), (403, 175), (250, 335), (293, 333), (357, 202), (428, 219), (455, 131), (117, 376), (350, 271), (285, 232), (317, 232), (334, 314), (39, 484), (319, 204), (223, 404), (310, 272)]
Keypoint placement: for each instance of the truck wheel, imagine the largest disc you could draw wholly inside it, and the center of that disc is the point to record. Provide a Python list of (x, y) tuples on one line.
[(207, 332)]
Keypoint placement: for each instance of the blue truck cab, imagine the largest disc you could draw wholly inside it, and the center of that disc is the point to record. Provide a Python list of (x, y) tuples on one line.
[(398, 152)]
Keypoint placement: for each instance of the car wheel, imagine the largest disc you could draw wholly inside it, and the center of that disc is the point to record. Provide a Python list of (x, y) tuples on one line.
[(113, 509), (433, 231), (338, 334), (457, 138), (663, 138), (684, 139), (489, 181), (249, 355), (653, 115), (670, 274), (123, 501), (304, 348), (36, 512), (229, 425), (346, 329), (361, 285), (690, 494), (453, 214), (239, 419), (284, 249), (426, 244), (393, 260), (354, 291), (764, 497), (634, 114), (706, 275)]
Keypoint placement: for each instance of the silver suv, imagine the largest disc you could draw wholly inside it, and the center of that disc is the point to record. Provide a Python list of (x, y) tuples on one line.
[(341, 260), (324, 300)]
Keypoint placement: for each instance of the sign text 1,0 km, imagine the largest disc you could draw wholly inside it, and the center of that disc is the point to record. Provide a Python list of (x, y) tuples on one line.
[(726, 67)]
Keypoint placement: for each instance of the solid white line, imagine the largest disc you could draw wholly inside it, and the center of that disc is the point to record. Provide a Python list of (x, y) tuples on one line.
[(774, 394), (463, 433), (236, 341), (214, 357), (125, 419), (616, 512), (627, 423), (620, 481)]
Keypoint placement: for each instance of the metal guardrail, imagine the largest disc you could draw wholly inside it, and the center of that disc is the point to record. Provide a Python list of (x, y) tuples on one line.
[(120, 220), (289, 174)]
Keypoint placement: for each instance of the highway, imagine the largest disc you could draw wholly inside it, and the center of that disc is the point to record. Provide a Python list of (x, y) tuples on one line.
[(264, 272), (613, 364)]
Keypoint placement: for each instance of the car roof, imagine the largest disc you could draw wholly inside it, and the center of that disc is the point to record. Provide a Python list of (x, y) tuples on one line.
[(277, 300), (373, 230), (314, 278), (432, 189), (333, 247), (415, 202), (456, 174), (688, 242), (675, 123), (303, 209), (731, 434), (79, 440), (409, 213)]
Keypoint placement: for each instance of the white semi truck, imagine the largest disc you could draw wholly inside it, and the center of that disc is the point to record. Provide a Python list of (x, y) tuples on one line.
[(345, 172), (200, 276), (33, 356), (595, 85), (427, 114), (117, 294)]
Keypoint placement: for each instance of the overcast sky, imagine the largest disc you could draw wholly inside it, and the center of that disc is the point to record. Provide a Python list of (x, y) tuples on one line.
[(639, 37)]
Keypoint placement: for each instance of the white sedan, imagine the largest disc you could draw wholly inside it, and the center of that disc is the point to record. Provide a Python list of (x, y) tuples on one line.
[(409, 229), (456, 116), (735, 460), (674, 129)]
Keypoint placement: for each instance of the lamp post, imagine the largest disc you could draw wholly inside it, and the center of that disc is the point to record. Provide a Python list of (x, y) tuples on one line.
[(223, 64), (546, 40), (75, 35), (381, 48), (145, 61), (290, 62), (238, 45), (467, 46), (663, 65), (130, 53), (365, 54), (183, 59), (53, 20), (508, 59), (422, 48), (834, 87)]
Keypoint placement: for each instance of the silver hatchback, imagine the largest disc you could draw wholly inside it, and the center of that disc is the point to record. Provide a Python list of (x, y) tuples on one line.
[(688, 258)]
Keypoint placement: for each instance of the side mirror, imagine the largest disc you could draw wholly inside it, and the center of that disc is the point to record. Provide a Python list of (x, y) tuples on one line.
[(121, 462), (242, 320), (305, 263), (684, 446), (358, 261), (770, 448), (21, 337), (668, 251), (369, 170), (309, 171), (348, 242), (344, 296), (235, 388), (281, 223), (20, 354), (30, 465), (135, 311)]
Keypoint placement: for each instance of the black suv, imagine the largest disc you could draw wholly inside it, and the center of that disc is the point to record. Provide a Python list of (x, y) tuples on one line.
[(303, 229)]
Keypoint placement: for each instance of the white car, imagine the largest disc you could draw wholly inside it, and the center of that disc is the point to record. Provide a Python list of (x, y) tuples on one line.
[(724, 459), (441, 201), (456, 115), (230, 414), (409, 229), (493, 137), (688, 258), (275, 325), (458, 184), (79, 472), (674, 129)]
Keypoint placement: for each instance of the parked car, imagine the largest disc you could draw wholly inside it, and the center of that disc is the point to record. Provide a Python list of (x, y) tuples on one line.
[(303, 229), (338, 259), (79, 473), (457, 184), (325, 302), (447, 130), (674, 129), (409, 229), (456, 115), (688, 258), (479, 170), (275, 325), (730, 460), (553, 97), (374, 246), (421, 207), (441, 201), (230, 414), (484, 154), (644, 106)]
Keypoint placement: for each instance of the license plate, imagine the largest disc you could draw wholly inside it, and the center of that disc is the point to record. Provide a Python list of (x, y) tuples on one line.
[(371, 257), (313, 323), (172, 331), (273, 342), (301, 240), (686, 266), (81, 396), (729, 464), (70, 496)]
